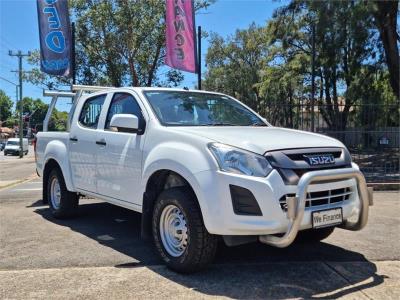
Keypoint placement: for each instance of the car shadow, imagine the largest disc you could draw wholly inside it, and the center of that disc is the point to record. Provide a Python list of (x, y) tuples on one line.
[(319, 270)]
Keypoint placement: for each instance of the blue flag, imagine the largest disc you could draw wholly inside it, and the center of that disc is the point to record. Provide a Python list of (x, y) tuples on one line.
[(55, 37)]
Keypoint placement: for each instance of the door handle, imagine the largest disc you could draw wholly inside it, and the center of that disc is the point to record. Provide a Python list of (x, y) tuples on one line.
[(102, 142), (73, 139)]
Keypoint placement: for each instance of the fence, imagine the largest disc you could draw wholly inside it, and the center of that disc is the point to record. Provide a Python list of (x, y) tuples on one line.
[(370, 131)]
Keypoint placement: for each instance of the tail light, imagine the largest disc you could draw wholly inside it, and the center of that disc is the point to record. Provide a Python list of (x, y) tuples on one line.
[(34, 147)]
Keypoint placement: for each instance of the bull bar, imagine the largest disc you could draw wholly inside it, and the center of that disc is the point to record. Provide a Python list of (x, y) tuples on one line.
[(296, 205)]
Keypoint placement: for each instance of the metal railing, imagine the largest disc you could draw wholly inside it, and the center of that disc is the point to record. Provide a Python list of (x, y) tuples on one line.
[(370, 131)]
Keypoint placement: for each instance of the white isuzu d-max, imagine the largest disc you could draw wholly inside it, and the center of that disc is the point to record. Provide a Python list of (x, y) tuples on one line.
[(199, 166)]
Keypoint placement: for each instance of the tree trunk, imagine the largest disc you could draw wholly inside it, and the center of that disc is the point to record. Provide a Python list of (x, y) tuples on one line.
[(386, 21)]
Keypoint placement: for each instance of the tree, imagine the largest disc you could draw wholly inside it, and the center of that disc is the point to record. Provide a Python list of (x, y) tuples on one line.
[(39, 78), (385, 14), (349, 52), (6, 105), (117, 43), (234, 64), (344, 42), (122, 42), (37, 109)]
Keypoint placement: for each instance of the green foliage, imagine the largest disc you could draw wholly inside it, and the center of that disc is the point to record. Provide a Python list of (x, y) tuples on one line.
[(234, 64), (348, 53), (38, 78), (118, 43), (37, 109), (5, 106), (122, 42)]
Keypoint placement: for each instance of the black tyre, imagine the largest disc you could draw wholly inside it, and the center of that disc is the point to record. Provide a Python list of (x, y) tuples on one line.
[(63, 204), (314, 235), (179, 232)]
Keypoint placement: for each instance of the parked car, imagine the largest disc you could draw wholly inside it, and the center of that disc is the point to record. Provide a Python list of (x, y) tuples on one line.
[(2, 145), (13, 146), (200, 166)]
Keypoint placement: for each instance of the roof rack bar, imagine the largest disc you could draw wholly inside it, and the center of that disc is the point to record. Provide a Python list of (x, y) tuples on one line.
[(76, 92), (51, 93), (88, 88)]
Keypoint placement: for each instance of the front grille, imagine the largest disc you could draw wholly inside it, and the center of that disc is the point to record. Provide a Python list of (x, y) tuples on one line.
[(300, 156), (291, 163), (335, 196)]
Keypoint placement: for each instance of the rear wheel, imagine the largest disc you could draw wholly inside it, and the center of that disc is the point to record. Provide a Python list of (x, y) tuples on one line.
[(179, 232), (63, 204), (314, 235)]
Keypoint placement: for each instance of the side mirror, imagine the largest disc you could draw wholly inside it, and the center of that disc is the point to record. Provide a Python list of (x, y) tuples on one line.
[(125, 122)]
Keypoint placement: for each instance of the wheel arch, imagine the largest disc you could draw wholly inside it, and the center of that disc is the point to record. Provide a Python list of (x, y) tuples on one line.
[(157, 182), (50, 164), (56, 151)]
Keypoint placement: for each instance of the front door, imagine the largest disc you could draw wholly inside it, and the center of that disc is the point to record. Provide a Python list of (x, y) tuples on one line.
[(82, 144), (119, 159)]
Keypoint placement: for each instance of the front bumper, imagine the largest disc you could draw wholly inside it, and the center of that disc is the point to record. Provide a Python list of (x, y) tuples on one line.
[(219, 217), (296, 205), (12, 151)]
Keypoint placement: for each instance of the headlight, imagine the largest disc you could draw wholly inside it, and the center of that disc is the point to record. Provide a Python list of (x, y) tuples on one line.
[(234, 160)]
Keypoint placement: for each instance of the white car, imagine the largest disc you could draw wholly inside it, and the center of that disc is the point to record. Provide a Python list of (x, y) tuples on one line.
[(13, 146), (200, 166)]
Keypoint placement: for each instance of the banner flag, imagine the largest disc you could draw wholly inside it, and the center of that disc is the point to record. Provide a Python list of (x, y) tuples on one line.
[(55, 37), (180, 35)]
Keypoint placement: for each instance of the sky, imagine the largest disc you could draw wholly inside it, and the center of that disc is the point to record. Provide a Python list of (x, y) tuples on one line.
[(19, 31)]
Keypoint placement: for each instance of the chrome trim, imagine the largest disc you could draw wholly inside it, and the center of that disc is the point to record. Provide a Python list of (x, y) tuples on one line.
[(298, 206)]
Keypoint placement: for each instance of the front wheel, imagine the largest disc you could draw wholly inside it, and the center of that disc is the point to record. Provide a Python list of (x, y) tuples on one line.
[(63, 204), (179, 232)]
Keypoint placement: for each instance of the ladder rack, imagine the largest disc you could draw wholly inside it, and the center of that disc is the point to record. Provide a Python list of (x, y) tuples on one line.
[(76, 92)]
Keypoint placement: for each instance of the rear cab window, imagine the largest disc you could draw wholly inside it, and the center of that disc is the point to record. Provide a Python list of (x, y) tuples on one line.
[(91, 110)]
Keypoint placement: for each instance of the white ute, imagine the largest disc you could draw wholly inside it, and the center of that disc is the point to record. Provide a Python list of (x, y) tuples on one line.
[(198, 166)]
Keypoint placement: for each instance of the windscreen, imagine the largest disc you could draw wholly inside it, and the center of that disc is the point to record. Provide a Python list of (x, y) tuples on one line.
[(180, 108), (12, 143)]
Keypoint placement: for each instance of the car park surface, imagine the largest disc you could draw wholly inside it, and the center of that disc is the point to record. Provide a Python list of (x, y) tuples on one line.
[(100, 255)]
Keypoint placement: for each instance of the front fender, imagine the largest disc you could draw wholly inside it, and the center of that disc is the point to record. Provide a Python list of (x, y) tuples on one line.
[(57, 151), (182, 156), (183, 159)]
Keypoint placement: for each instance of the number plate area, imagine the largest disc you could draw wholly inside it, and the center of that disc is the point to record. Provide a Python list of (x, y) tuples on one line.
[(325, 218)]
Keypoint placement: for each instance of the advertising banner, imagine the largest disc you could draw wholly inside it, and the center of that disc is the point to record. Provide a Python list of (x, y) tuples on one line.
[(55, 37), (180, 35)]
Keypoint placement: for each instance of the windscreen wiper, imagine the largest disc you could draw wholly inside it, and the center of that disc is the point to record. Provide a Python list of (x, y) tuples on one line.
[(220, 124)]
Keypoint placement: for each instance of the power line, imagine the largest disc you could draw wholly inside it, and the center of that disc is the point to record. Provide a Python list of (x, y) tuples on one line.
[(5, 79), (6, 42)]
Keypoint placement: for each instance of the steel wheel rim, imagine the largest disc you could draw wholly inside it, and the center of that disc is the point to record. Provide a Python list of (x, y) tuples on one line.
[(55, 193), (173, 230)]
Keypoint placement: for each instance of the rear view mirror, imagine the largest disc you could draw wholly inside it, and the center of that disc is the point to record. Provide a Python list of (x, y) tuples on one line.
[(125, 122)]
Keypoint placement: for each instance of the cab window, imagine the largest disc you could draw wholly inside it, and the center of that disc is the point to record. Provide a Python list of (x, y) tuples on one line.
[(91, 110), (124, 103)]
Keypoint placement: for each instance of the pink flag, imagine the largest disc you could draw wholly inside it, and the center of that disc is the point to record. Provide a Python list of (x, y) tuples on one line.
[(180, 35)]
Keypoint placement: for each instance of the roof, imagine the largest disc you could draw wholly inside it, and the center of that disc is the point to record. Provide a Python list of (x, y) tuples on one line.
[(143, 89)]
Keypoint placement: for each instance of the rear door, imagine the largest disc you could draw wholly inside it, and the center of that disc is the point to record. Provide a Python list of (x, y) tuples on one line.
[(119, 158), (82, 144)]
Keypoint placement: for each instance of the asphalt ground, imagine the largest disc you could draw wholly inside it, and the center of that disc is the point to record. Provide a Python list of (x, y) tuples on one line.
[(100, 254), (14, 169)]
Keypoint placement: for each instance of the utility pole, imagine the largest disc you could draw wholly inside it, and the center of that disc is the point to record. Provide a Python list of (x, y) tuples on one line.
[(199, 58), (20, 55), (312, 77)]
